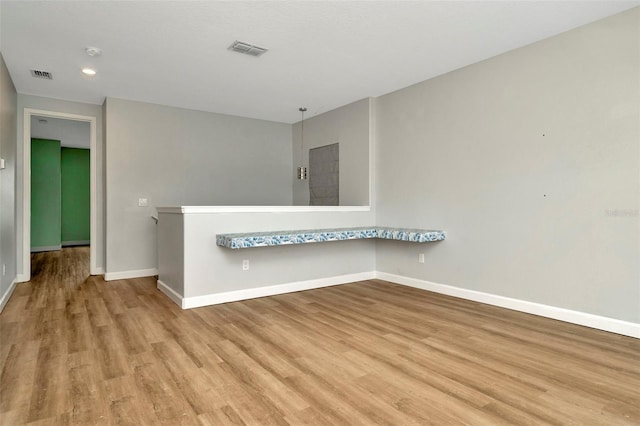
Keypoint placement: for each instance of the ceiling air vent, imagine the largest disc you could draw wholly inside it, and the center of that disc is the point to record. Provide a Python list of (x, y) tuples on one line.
[(42, 74), (246, 48)]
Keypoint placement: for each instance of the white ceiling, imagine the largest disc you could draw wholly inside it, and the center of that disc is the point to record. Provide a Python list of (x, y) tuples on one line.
[(322, 54)]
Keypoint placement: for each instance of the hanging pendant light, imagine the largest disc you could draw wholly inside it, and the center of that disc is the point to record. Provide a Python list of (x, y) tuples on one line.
[(302, 170)]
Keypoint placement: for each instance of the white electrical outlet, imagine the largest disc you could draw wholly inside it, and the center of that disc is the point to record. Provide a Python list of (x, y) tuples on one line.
[(4, 269), (143, 202), (421, 258), (245, 265)]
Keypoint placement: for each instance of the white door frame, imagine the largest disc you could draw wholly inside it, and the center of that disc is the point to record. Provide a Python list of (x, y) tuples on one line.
[(26, 186)]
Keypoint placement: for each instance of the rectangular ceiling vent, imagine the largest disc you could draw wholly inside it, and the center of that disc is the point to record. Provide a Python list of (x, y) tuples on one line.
[(247, 49), (42, 74)]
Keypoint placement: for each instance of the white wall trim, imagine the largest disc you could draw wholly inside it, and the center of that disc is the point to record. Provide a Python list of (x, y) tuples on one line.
[(170, 293), (26, 186), (46, 248), (259, 209), (567, 315), (7, 295), (252, 293), (372, 148), (575, 317), (123, 275)]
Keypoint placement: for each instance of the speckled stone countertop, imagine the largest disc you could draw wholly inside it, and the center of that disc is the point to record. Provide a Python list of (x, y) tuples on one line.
[(280, 238)]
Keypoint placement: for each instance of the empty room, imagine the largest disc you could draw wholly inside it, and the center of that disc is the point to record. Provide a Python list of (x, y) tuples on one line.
[(319, 212)]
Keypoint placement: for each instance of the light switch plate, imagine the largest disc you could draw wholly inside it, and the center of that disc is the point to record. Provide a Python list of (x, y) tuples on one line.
[(143, 202), (2, 166)]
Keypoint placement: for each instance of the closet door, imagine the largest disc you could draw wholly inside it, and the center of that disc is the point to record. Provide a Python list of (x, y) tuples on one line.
[(46, 208)]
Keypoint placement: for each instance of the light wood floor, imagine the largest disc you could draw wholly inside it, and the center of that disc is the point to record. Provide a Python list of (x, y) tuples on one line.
[(77, 350)]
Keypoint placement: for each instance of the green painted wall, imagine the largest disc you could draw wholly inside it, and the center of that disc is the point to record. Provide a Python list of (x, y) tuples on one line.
[(45, 193), (76, 195)]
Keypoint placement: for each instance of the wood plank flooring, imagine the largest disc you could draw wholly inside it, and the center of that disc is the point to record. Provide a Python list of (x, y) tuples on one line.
[(77, 350)]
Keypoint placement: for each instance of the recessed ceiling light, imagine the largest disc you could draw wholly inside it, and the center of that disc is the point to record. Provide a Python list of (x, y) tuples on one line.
[(88, 71), (93, 51)]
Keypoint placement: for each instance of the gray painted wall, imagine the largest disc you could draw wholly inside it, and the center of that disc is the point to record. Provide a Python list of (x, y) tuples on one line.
[(8, 112), (57, 105), (349, 126), (174, 156), (530, 162)]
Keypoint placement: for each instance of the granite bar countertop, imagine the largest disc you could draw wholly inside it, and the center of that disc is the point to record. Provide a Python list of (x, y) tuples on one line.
[(279, 238)]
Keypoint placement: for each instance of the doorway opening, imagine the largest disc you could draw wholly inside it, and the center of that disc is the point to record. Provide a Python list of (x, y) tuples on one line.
[(66, 215)]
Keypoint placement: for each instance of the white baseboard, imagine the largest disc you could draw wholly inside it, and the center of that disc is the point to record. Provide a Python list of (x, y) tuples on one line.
[(22, 278), (575, 317), (98, 271), (7, 294), (76, 243), (123, 275), (46, 248), (170, 293), (252, 293)]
